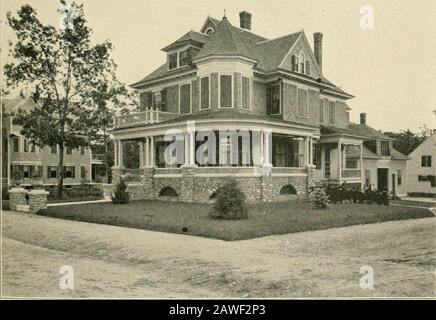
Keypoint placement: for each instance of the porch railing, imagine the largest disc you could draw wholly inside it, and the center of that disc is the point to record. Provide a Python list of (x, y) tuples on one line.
[(351, 173), (143, 117)]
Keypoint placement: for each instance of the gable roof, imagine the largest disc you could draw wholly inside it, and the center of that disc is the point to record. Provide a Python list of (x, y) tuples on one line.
[(225, 41), (270, 53)]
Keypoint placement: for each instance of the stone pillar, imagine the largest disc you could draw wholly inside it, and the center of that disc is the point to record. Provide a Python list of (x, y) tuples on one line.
[(310, 179), (266, 184), (37, 200), (187, 187), (17, 197), (148, 183)]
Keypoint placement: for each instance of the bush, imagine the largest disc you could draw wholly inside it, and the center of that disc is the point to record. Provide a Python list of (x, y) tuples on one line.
[(319, 197), (120, 194), (230, 203)]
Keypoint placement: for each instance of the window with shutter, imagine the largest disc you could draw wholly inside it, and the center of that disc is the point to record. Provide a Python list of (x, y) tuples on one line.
[(185, 99), (294, 61), (245, 93), (226, 91), (204, 93)]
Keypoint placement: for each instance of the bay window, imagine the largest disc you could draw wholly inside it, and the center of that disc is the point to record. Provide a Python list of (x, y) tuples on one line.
[(245, 93), (226, 91), (204, 93)]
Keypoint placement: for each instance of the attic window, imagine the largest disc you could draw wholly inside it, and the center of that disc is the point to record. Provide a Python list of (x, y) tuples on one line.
[(172, 61), (302, 62), (294, 63), (210, 31), (308, 67)]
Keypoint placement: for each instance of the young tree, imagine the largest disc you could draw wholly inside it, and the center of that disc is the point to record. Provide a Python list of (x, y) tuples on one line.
[(65, 72)]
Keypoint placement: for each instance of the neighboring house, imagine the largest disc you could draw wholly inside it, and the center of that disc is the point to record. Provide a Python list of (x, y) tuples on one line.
[(26, 164), (225, 77), (421, 168)]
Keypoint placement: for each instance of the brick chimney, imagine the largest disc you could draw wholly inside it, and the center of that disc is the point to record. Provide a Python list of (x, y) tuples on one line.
[(317, 45), (363, 118), (245, 20)]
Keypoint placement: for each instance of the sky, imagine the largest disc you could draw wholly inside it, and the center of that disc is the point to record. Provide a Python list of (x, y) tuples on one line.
[(390, 69)]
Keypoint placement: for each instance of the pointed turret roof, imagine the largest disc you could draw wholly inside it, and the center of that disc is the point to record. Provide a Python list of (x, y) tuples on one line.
[(225, 41)]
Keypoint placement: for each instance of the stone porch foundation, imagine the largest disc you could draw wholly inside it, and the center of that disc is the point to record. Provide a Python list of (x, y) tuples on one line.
[(192, 187)]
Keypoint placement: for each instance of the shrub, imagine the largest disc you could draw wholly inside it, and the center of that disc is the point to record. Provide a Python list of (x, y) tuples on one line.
[(230, 202), (120, 194), (319, 197)]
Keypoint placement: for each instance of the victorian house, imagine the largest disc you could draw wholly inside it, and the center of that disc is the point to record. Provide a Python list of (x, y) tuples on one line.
[(228, 78)]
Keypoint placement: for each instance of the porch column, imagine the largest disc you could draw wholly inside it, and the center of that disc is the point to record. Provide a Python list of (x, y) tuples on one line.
[(141, 154), (311, 151), (147, 151), (340, 160), (116, 153), (151, 151), (306, 151), (120, 153), (186, 148), (192, 148), (267, 135)]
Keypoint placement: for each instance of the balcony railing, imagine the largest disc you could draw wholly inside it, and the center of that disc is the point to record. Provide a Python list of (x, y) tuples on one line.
[(144, 117), (351, 173)]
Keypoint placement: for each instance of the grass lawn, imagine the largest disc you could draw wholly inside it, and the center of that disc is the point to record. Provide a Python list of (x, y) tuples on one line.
[(264, 218)]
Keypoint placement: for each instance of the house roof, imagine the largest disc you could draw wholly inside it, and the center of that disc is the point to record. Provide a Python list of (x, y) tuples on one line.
[(227, 115), (367, 131), (270, 53), (189, 37), (18, 103), (225, 41), (356, 130), (395, 154), (231, 40)]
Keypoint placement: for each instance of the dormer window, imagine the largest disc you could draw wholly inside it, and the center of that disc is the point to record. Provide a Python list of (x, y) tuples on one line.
[(172, 61), (179, 59), (184, 58), (210, 31)]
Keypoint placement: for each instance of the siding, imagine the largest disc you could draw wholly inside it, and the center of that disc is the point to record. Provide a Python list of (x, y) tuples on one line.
[(195, 96), (214, 90), (237, 90), (173, 98), (289, 104), (258, 104)]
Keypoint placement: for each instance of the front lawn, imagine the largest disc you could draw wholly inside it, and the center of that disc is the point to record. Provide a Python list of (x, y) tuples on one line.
[(264, 218)]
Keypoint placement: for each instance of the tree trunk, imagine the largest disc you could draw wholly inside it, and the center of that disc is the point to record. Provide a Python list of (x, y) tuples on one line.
[(60, 171)]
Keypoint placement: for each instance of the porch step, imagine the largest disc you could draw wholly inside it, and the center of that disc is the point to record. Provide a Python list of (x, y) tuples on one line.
[(23, 208)]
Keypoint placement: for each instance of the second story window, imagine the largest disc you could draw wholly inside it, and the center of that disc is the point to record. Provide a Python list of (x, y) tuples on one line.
[(53, 149), (426, 161), (185, 98), (82, 150), (332, 111), (184, 58), (245, 93), (226, 91), (172, 61), (26, 147), (302, 103), (384, 148), (69, 150), (273, 100), (204, 93)]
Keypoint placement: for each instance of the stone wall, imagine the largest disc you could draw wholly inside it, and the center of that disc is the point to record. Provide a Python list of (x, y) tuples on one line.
[(194, 188)]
